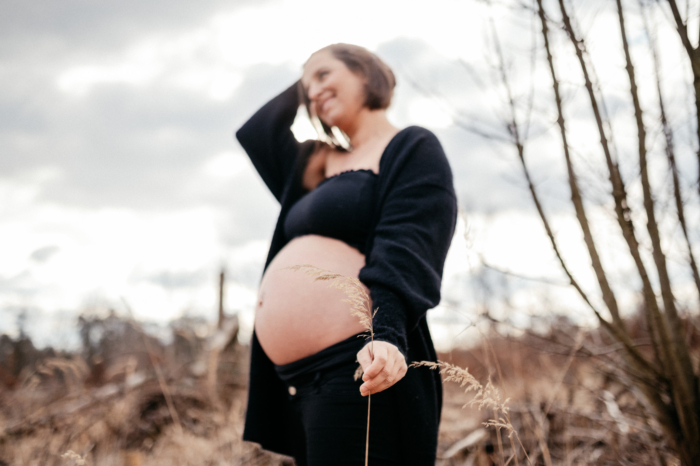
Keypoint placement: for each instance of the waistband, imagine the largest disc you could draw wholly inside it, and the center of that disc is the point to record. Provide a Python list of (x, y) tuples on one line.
[(336, 355)]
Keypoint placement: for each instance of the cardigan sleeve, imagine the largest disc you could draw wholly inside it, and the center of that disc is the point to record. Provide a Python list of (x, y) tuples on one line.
[(269, 142), (414, 229)]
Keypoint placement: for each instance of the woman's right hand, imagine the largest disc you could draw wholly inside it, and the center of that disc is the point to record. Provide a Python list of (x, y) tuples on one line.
[(383, 366)]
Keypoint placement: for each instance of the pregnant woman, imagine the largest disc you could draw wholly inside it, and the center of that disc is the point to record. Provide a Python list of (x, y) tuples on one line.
[(365, 200)]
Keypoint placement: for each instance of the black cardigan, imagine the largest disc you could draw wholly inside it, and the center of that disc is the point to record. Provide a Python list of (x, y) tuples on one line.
[(411, 232)]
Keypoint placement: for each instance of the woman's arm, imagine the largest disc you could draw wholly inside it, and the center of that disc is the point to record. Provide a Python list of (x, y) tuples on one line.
[(404, 273), (405, 264), (269, 142)]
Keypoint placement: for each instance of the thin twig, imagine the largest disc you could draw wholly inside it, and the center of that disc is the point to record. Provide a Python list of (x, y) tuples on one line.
[(572, 355), (669, 147), (159, 375), (694, 57)]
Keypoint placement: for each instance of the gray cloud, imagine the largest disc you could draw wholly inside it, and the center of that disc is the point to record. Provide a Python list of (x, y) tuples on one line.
[(173, 280), (142, 147), (137, 147), (43, 254), (122, 146), (83, 27), (21, 285)]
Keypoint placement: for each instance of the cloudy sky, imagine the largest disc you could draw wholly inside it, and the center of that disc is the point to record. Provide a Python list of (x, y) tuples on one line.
[(120, 178)]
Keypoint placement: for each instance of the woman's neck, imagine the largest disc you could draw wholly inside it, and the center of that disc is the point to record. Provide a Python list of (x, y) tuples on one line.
[(368, 126)]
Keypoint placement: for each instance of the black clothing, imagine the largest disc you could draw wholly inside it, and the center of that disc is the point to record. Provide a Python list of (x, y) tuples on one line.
[(329, 421), (339, 207), (411, 230), (329, 415), (329, 358)]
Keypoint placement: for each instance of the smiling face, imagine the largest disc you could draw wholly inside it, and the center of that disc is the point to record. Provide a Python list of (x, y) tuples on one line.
[(336, 94)]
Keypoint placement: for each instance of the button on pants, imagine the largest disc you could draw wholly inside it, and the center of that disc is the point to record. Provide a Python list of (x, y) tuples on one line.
[(329, 421)]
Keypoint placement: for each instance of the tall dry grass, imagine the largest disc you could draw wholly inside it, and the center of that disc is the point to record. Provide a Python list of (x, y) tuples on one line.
[(565, 408), (485, 396)]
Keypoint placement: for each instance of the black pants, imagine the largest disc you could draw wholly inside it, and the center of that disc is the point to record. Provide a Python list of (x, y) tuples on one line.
[(329, 420)]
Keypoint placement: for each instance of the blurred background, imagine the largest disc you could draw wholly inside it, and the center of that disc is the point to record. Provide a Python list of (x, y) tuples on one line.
[(120, 176), (123, 193)]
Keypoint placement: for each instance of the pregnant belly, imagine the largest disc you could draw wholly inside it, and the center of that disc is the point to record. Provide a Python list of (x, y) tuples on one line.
[(295, 316)]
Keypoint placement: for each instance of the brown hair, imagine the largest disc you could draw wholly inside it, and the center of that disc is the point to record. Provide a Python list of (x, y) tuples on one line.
[(379, 83)]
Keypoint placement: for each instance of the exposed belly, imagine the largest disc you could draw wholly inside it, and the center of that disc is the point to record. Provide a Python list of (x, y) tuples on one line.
[(295, 316)]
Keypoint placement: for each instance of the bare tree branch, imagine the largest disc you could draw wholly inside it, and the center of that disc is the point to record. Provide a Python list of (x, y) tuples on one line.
[(652, 227), (682, 376), (681, 27), (523, 277), (657, 323), (608, 295), (513, 127), (663, 379), (694, 57), (669, 148)]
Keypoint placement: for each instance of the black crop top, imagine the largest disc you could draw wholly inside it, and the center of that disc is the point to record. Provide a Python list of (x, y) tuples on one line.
[(340, 207)]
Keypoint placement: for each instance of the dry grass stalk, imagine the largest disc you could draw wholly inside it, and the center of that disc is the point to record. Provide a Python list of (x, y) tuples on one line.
[(486, 396), (73, 370), (159, 374), (360, 304), (360, 307)]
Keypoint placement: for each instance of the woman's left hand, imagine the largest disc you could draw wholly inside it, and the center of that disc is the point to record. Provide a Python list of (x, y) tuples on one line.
[(383, 366)]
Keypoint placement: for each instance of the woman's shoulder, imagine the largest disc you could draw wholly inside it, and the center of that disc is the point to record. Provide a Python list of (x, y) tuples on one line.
[(418, 133), (418, 142), (418, 148)]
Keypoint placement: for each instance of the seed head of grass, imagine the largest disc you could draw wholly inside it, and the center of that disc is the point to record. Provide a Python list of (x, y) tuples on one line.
[(486, 396), (358, 373), (356, 297)]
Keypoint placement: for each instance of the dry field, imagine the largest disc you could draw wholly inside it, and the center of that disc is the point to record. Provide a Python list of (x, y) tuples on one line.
[(128, 400)]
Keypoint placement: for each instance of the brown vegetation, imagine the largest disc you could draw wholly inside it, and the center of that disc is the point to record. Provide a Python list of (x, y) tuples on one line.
[(108, 406), (65, 409)]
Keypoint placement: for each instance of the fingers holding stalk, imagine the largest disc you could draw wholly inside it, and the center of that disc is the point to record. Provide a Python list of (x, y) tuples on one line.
[(383, 366)]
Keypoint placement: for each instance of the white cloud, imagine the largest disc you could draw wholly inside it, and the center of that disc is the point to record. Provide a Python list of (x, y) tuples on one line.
[(211, 59), (99, 252), (302, 127), (225, 165), (81, 79), (427, 112), (188, 61)]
